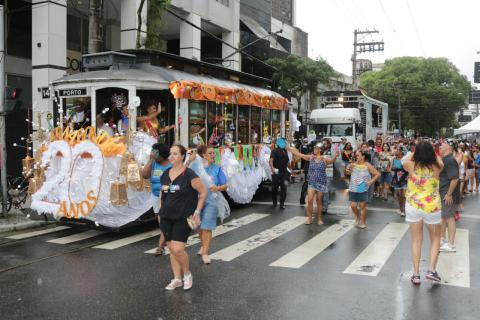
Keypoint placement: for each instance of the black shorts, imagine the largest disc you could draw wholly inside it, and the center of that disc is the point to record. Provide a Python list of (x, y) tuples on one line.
[(176, 230)]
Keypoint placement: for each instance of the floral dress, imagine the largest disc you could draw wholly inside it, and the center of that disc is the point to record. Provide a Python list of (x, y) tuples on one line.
[(422, 191)]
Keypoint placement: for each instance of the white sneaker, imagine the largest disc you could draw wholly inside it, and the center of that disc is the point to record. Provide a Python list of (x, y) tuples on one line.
[(443, 242), (187, 282), (175, 283), (447, 248)]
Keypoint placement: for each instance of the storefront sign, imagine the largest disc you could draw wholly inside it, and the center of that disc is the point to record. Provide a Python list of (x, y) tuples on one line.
[(72, 92)]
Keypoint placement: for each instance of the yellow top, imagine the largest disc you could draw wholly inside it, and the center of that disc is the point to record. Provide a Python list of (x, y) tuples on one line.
[(422, 191)]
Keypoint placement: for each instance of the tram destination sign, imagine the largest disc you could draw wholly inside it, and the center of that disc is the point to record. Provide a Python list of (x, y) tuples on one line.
[(72, 92)]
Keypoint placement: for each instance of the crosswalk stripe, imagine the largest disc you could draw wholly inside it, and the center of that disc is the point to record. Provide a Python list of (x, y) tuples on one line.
[(240, 248), (454, 268), (374, 257), (292, 204), (77, 237), (37, 233), (224, 228), (128, 240), (308, 250)]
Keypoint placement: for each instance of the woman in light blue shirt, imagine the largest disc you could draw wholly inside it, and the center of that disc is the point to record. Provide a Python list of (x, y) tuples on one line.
[(153, 170), (217, 183)]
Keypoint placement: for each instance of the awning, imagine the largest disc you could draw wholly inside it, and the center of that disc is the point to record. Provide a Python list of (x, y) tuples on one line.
[(260, 32), (471, 127), (184, 85)]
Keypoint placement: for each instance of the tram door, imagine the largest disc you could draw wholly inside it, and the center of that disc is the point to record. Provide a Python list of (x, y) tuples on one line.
[(109, 102), (166, 116)]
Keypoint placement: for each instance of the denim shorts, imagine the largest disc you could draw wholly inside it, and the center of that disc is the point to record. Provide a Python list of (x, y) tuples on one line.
[(317, 187), (357, 196), (386, 177), (208, 217)]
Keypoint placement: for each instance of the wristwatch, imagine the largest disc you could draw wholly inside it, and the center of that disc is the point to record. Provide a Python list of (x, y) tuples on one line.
[(196, 211)]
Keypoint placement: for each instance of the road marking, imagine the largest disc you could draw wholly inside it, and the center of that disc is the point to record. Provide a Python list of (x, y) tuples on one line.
[(37, 233), (128, 240), (469, 216), (222, 229), (374, 257), (454, 267), (236, 250), (330, 206), (77, 237), (307, 251)]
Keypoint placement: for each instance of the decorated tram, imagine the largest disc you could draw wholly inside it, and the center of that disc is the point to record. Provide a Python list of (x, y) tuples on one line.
[(88, 157)]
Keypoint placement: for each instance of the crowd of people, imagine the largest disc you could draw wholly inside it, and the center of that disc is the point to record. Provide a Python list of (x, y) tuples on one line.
[(428, 178)]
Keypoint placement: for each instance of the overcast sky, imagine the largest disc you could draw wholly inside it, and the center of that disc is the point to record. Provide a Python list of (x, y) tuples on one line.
[(427, 28)]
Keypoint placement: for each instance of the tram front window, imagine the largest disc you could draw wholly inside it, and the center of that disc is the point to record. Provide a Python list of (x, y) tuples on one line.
[(76, 112)]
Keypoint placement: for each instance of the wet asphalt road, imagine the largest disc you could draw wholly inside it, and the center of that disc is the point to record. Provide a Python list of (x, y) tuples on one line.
[(42, 280)]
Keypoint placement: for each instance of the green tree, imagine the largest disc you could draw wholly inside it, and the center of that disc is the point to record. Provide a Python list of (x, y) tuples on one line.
[(295, 76), (429, 90), (154, 22)]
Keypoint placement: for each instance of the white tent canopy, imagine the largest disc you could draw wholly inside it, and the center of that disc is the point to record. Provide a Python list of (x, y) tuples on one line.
[(471, 127)]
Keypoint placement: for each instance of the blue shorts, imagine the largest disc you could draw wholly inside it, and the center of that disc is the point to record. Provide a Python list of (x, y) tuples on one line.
[(386, 177), (318, 187), (208, 217), (357, 196)]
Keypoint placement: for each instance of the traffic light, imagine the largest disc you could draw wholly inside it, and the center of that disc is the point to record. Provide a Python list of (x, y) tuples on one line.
[(11, 98)]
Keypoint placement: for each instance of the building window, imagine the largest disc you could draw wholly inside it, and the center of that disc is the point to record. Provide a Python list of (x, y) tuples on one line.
[(224, 2), (18, 29)]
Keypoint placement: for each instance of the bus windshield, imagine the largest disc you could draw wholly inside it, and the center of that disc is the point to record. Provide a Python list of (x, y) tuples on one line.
[(339, 130)]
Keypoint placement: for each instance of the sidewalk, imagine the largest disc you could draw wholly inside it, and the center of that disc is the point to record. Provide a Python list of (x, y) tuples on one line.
[(17, 219)]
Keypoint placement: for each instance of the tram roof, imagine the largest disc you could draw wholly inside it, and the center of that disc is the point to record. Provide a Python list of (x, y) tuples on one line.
[(145, 72)]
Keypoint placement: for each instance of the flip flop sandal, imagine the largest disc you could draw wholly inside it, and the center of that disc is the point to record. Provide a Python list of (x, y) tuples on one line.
[(308, 221), (159, 251)]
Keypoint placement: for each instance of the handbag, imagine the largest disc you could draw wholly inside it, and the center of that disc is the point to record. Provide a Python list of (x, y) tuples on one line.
[(194, 221)]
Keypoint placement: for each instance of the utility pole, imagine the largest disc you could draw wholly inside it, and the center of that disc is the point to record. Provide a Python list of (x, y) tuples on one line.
[(360, 47), (95, 31), (399, 113), (3, 149)]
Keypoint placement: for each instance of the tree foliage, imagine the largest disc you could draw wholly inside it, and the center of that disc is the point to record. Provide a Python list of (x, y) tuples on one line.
[(431, 91), (154, 22), (295, 76)]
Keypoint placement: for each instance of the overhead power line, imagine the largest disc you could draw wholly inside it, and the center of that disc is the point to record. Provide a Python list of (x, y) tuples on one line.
[(415, 27)]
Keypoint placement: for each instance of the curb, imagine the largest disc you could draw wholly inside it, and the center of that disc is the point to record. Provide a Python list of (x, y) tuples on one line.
[(22, 226)]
